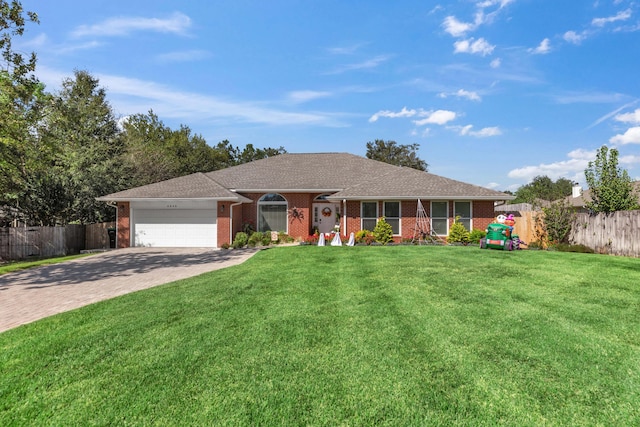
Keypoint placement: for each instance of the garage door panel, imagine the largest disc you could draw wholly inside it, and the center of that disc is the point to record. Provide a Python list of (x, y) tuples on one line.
[(175, 227)]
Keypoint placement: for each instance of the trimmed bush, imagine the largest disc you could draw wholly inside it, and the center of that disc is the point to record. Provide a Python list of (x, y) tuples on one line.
[(383, 233), (240, 241)]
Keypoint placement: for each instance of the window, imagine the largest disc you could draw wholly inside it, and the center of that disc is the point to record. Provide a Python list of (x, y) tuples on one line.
[(392, 216), (369, 215), (463, 210), (440, 218), (272, 213)]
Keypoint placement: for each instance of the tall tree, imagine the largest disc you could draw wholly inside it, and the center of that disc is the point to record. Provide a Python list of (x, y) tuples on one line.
[(610, 186), (543, 188), (21, 101), (82, 125), (395, 154)]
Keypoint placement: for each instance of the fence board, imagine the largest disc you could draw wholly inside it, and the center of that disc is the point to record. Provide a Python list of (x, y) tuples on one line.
[(41, 242), (96, 235), (617, 233)]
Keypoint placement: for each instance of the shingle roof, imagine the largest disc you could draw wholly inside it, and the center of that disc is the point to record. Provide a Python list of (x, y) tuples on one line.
[(585, 196), (194, 186), (346, 175)]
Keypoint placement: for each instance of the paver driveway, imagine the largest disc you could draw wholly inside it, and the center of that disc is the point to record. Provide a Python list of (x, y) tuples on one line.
[(29, 295)]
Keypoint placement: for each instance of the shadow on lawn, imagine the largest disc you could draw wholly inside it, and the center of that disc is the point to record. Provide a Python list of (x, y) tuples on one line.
[(119, 263)]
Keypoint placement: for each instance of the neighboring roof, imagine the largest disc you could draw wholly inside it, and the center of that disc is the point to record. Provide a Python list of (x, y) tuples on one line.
[(585, 196), (194, 186), (346, 175)]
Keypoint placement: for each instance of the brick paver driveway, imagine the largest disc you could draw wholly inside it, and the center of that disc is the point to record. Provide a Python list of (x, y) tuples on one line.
[(32, 294)]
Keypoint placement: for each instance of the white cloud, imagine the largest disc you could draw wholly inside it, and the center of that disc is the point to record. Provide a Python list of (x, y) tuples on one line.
[(177, 23), (633, 117), (620, 16), (573, 37), (631, 136), (472, 96), (300, 96), (482, 133), (572, 169), (456, 28), (479, 46), (438, 117), (543, 48), (393, 115), (496, 63)]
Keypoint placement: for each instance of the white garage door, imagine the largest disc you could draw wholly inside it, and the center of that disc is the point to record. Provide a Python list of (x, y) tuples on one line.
[(184, 228)]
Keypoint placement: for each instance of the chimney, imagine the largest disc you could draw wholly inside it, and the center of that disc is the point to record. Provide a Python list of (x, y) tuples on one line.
[(576, 191)]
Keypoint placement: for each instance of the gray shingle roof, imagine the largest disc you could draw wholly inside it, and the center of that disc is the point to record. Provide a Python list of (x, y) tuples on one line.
[(347, 175), (194, 186)]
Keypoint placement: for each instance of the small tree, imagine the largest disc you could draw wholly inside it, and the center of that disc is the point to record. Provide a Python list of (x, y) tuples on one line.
[(558, 219), (383, 233), (611, 188)]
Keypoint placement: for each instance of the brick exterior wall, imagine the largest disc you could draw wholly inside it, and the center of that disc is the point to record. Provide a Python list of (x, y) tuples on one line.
[(300, 228), (224, 223), (483, 214), (124, 225)]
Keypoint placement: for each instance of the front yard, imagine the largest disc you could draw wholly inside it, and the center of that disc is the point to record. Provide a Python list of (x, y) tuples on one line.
[(345, 336)]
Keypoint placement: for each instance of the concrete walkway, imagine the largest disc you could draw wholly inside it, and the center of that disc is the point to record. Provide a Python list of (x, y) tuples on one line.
[(33, 294)]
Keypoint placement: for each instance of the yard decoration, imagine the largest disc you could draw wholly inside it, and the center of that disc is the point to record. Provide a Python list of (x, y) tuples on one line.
[(500, 235)]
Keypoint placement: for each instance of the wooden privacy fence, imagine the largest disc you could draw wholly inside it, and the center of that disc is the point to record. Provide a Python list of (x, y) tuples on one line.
[(43, 242), (617, 233)]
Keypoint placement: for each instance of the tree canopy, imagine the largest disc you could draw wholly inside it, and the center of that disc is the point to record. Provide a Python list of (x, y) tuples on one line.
[(610, 186), (543, 188), (395, 154)]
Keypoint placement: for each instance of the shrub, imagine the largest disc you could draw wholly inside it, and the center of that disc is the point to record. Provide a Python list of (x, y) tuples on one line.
[(240, 240), (266, 238), (383, 232), (285, 238), (361, 236), (477, 234), (255, 239), (558, 218), (457, 233), (225, 245)]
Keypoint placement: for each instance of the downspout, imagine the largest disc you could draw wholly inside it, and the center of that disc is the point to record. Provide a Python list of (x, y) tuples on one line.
[(231, 220), (344, 215)]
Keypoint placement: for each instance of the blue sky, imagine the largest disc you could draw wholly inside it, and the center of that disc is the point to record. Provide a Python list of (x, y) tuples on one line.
[(494, 91)]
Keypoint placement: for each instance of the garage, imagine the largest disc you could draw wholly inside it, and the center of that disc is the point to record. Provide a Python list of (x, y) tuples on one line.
[(185, 225)]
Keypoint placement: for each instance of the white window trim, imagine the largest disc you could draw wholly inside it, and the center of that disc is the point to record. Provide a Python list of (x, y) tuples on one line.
[(384, 205), (439, 217), (262, 203), (470, 212), (362, 217)]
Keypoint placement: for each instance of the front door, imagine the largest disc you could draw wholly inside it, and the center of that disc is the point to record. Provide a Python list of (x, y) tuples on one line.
[(324, 217)]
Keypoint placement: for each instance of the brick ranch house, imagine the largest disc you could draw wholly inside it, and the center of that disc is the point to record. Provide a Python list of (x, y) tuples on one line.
[(295, 193)]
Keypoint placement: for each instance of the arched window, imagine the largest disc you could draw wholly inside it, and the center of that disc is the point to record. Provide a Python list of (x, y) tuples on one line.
[(321, 197), (272, 213)]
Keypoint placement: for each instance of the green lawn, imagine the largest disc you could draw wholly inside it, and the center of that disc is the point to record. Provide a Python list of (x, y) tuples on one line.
[(345, 336)]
